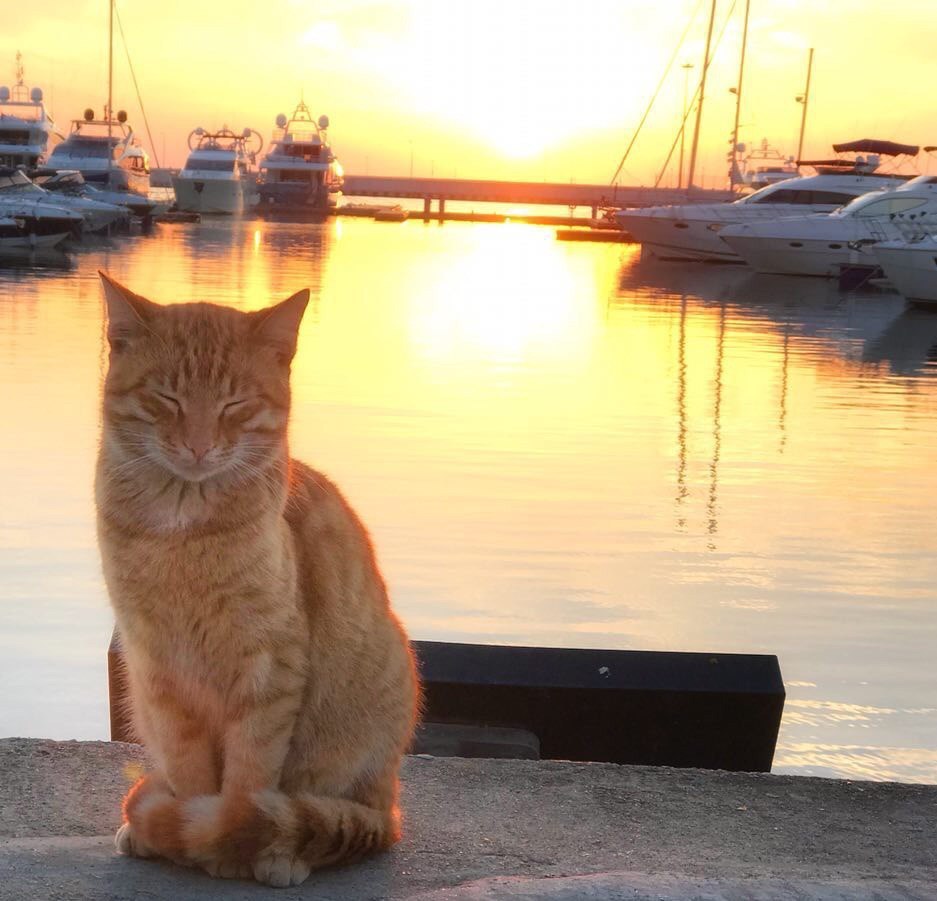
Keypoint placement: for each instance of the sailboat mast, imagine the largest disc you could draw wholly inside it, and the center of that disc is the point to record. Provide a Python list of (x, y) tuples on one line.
[(738, 100), (110, 86), (806, 100), (702, 93)]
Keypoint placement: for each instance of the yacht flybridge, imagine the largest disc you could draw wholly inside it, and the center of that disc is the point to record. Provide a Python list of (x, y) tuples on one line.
[(106, 152), (218, 175), (300, 174), (26, 130)]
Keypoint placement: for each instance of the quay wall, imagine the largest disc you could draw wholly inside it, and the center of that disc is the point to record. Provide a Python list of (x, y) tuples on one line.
[(506, 829)]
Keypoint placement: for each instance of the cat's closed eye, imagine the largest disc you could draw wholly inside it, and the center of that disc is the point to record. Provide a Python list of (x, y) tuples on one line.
[(169, 400)]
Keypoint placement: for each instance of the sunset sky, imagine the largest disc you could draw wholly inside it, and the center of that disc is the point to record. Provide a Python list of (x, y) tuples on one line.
[(508, 89)]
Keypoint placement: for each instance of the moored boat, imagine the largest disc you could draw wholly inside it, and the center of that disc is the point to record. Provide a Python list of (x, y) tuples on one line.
[(821, 245), (26, 129), (692, 231), (106, 152), (911, 267), (218, 176), (300, 175)]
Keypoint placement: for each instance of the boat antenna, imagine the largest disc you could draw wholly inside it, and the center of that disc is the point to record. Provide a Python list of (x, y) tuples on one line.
[(110, 88), (702, 93), (660, 84), (804, 99), (738, 101), (136, 88)]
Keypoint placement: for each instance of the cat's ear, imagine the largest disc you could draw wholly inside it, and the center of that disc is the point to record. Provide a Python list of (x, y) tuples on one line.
[(127, 314), (278, 326)]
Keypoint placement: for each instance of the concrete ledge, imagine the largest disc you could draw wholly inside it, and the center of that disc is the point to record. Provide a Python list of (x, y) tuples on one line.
[(497, 829)]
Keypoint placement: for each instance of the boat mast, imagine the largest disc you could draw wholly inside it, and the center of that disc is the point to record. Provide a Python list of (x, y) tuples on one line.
[(110, 86), (702, 92), (804, 99), (738, 101)]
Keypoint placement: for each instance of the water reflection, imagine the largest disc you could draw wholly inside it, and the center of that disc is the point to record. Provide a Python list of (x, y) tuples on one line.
[(551, 443)]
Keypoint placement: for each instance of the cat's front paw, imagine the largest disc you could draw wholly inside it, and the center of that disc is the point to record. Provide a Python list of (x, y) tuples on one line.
[(126, 842), (281, 870), (228, 869)]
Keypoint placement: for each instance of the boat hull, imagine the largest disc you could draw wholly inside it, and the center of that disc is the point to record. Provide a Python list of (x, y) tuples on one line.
[(912, 269), (677, 238), (295, 199), (211, 196), (24, 243), (818, 257)]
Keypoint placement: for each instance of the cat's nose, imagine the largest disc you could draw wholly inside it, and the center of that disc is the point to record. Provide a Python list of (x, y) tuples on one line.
[(198, 448)]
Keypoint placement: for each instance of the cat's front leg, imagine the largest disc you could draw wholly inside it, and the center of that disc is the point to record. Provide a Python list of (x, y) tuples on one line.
[(179, 740)]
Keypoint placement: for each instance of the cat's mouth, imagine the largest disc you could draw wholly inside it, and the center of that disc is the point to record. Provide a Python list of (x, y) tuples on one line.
[(196, 471)]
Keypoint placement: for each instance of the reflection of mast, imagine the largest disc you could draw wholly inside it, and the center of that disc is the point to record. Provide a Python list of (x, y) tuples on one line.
[(682, 490), (712, 505), (782, 410)]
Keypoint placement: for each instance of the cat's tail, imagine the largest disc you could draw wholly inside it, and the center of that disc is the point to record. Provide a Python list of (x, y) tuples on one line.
[(277, 838)]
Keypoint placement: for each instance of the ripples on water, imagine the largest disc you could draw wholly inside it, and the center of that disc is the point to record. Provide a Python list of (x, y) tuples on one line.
[(551, 443)]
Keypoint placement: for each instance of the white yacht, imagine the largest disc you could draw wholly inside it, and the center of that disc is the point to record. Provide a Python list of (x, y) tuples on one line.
[(300, 174), (97, 215), (820, 245), (218, 175), (26, 129), (31, 223), (71, 183), (106, 152), (691, 231), (765, 165), (911, 266)]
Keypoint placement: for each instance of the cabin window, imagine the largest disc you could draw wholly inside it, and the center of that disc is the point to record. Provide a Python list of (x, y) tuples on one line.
[(210, 165), (300, 175), (889, 206)]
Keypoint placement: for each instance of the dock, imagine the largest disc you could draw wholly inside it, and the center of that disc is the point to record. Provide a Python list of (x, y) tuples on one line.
[(569, 194), (505, 829)]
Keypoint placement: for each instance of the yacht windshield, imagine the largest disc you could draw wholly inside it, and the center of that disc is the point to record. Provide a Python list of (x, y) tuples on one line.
[(204, 165), (83, 148), (16, 181)]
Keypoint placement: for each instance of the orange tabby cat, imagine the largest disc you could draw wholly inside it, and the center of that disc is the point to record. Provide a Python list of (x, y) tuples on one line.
[(270, 681)]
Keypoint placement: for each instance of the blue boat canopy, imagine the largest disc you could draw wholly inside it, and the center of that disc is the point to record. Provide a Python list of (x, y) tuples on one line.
[(867, 145)]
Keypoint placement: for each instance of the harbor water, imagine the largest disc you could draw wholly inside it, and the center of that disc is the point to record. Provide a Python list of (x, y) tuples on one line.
[(551, 443)]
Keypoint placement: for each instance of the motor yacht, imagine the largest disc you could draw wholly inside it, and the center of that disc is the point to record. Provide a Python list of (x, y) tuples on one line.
[(70, 182), (821, 245), (765, 165), (911, 266), (300, 174), (106, 152), (218, 176), (28, 222), (97, 216), (26, 129), (691, 231)]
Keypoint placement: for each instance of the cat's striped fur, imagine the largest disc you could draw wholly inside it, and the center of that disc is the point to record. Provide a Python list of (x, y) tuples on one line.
[(270, 681)]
